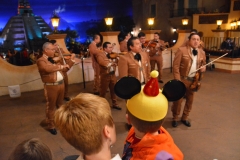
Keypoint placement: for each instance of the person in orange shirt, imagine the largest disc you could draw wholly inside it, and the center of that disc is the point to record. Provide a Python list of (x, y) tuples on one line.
[(146, 109)]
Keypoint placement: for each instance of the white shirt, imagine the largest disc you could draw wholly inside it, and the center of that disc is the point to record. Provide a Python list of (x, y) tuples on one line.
[(116, 157), (193, 68), (59, 75), (140, 65)]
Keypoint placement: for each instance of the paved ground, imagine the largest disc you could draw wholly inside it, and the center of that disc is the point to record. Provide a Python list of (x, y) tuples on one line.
[(214, 133)]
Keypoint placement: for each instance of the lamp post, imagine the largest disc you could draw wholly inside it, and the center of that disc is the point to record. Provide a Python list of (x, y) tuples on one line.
[(185, 22), (108, 21), (238, 24), (55, 21), (219, 23), (150, 23)]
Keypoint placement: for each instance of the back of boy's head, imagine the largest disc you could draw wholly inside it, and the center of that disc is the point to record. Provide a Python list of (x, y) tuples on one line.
[(31, 149), (81, 122), (147, 109)]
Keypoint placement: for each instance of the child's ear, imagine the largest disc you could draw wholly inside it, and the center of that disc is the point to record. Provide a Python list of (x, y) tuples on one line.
[(128, 120), (106, 131)]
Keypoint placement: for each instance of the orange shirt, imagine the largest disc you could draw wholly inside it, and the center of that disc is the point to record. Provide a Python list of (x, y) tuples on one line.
[(151, 147)]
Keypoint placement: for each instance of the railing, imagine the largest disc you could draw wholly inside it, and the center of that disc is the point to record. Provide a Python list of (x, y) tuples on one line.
[(186, 12), (212, 46), (214, 43)]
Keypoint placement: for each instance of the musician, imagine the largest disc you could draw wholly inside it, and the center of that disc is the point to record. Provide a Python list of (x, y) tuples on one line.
[(146, 46), (52, 77), (201, 44), (156, 57), (227, 44), (107, 64), (187, 60), (57, 54), (123, 43), (94, 51), (134, 63)]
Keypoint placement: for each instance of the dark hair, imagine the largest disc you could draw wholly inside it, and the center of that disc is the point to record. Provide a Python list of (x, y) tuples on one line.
[(157, 33), (53, 41), (105, 44), (125, 34), (141, 34), (31, 149), (145, 126), (200, 33), (193, 31), (192, 34), (130, 42), (95, 36)]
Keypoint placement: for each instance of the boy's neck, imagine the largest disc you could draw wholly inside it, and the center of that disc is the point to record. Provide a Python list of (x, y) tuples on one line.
[(140, 135)]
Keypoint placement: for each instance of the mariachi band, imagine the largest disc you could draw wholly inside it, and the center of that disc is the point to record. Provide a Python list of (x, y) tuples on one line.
[(138, 57)]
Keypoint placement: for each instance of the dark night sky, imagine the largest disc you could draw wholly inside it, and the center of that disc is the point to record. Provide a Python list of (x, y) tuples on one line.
[(71, 10)]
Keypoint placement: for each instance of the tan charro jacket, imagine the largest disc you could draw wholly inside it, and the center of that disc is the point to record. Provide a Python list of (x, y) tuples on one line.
[(123, 46), (156, 49), (183, 60), (128, 66), (105, 63), (48, 71), (94, 51)]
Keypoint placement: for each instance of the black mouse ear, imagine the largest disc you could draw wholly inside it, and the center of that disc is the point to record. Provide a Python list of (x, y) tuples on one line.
[(174, 90), (127, 87)]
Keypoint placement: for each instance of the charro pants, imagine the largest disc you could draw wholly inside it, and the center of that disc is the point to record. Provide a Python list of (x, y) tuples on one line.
[(108, 81), (157, 59), (177, 105), (65, 78), (54, 96), (96, 83)]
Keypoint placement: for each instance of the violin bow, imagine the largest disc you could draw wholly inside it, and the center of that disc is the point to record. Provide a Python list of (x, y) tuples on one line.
[(210, 62), (64, 62)]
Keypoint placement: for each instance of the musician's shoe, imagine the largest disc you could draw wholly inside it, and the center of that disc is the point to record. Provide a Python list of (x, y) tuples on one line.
[(160, 81), (53, 131), (116, 107), (67, 98), (186, 123), (174, 123)]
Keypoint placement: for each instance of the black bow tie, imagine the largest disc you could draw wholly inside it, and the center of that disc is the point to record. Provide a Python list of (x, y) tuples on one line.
[(108, 56), (137, 57), (194, 51), (50, 59)]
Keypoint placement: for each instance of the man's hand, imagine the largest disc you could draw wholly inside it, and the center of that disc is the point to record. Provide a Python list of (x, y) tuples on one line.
[(73, 56), (66, 66)]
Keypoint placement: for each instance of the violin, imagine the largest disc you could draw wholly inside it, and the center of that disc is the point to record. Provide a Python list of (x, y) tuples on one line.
[(196, 85), (113, 55), (150, 44), (123, 53), (67, 56)]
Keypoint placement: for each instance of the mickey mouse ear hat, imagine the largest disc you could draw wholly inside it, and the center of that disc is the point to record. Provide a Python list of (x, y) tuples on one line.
[(149, 103)]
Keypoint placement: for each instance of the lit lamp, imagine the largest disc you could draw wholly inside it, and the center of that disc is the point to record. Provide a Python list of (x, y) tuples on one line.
[(231, 24), (108, 21), (55, 22), (219, 23), (185, 22), (238, 24), (150, 22), (234, 24)]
